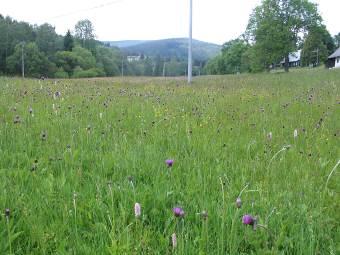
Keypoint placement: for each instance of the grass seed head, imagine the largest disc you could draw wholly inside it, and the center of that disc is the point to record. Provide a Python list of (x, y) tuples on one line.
[(174, 240), (270, 136), (7, 212), (138, 210), (43, 135), (204, 215), (17, 119), (238, 202)]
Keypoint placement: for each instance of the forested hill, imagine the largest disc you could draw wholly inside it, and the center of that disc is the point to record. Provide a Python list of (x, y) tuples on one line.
[(169, 48), (125, 43)]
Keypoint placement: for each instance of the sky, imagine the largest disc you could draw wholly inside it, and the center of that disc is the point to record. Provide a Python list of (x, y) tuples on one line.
[(215, 21)]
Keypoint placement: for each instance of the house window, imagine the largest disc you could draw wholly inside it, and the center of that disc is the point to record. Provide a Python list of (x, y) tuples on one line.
[(338, 60)]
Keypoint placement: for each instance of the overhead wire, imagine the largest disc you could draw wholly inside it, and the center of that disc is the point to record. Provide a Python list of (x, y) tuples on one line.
[(87, 9)]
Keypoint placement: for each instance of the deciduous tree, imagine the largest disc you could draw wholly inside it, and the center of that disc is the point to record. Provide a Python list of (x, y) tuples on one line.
[(36, 62), (317, 46), (84, 32), (276, 27)]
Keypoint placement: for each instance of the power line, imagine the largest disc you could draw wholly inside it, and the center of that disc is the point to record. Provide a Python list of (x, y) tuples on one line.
[(87, 9)]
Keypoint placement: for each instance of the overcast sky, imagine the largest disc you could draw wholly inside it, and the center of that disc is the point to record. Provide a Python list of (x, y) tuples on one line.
[(214, 20)]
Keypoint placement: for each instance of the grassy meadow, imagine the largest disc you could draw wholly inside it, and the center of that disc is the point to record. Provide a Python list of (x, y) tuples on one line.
[(76, 155)]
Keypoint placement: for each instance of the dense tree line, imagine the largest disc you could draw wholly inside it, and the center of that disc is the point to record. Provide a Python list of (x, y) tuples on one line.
[(275, 29), (48, 54), (76, 55)]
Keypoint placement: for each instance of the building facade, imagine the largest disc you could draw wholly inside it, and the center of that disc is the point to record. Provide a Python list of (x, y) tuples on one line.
[(334, 59)]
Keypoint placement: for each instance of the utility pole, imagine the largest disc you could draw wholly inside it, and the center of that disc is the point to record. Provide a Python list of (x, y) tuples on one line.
[(122, 65), (190, 46), (22, 60), (6, 50), (164, 69), (317, 56)]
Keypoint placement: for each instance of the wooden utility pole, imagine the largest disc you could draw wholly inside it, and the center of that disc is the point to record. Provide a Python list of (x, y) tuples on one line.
[(164, 69), (122, 66), (317, 56), (22, 59)]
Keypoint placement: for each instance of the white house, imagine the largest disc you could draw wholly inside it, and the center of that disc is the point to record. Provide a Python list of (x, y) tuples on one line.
[(294, 59), (334, 59), (133, 58)]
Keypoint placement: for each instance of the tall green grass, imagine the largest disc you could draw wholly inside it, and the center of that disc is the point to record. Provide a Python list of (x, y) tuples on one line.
[(72, 171)]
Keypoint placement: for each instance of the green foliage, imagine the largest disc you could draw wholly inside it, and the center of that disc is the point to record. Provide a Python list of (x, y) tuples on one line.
[(45, 55), (84, 32), (12, 33), (47, 39), (230, 61), (67, 60), (72, 170), (36, 63), (317, 46), (61, 74), (85, 58), (108, 59), (276, 26), (215, 65), (337, 40), (68, 41), (253, 60), (92, 72), (175, 67)]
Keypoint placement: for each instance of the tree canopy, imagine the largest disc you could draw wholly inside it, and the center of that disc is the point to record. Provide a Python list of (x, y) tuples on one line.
[(276, 28), (230, 60), (317, 46)]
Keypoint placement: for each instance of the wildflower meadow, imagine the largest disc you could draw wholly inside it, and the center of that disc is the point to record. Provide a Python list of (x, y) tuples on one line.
[(239, 164)]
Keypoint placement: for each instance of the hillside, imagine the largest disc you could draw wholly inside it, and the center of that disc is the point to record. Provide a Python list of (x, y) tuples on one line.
[(125, 43), (169, 48)]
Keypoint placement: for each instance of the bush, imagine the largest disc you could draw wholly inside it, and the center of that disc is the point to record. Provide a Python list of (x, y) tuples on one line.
[(61, 74), (93, 72)]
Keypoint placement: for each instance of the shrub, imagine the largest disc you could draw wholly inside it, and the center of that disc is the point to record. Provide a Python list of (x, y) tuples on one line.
[(61, 74)]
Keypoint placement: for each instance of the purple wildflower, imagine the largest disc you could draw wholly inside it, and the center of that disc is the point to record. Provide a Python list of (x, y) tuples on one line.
[(169, 162), (178, 212), (248, 220)]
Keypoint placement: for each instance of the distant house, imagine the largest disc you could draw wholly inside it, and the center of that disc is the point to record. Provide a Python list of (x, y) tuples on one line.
[(133, 58), (334, 59), (294, 59)]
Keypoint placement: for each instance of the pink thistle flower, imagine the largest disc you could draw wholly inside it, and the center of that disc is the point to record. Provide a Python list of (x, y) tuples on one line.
[(169, 162), (178, 212), (248, 220)]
